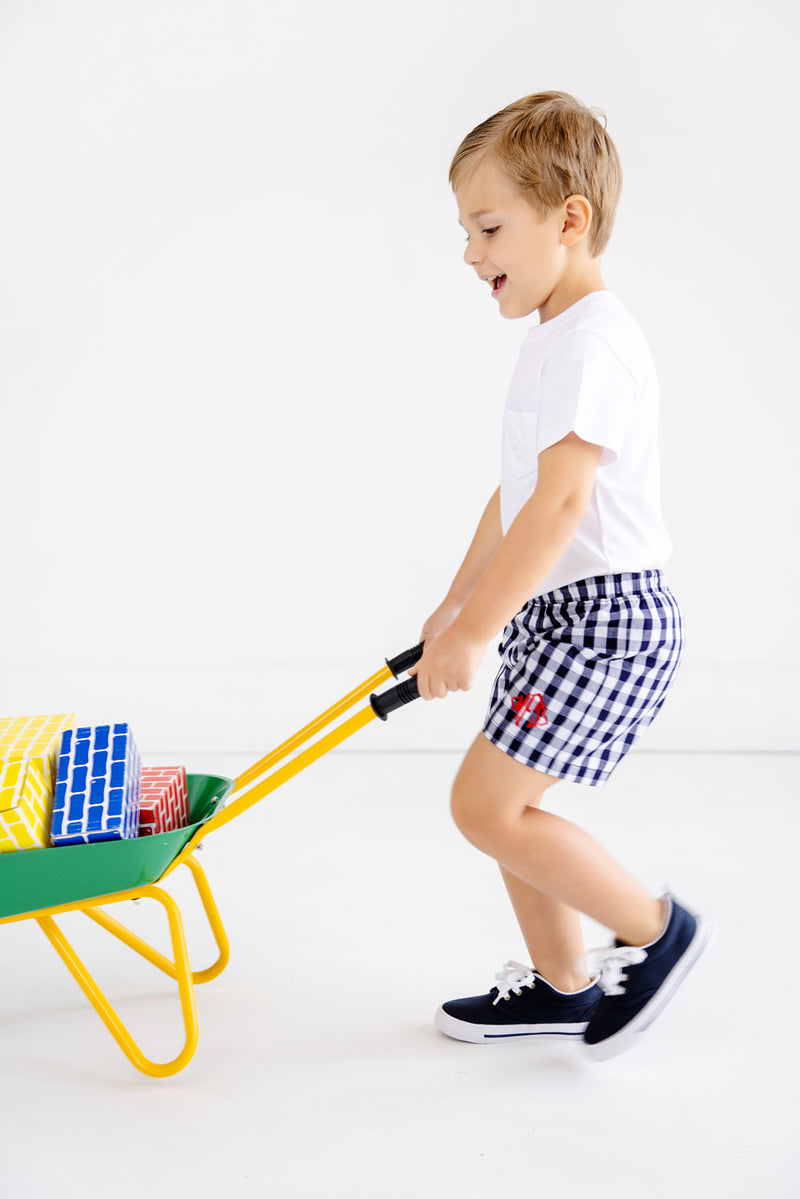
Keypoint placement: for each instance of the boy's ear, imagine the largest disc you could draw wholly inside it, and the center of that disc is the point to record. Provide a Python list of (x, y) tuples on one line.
[(577, 219)]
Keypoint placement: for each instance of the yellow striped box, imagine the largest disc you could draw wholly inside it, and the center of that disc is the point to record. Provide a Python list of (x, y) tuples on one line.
[(28, 748)]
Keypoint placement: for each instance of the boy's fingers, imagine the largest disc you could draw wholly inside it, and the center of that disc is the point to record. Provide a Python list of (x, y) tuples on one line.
[(422, 683)]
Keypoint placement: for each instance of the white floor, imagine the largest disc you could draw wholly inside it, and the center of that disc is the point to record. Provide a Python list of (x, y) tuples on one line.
[(354, 908)]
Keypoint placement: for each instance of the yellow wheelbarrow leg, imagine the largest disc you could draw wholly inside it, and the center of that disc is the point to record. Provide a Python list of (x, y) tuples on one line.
[(217, 927), (104, 1009), (152, 955)]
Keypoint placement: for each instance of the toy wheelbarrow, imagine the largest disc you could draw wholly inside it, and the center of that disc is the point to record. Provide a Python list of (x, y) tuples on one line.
[(38, 884)]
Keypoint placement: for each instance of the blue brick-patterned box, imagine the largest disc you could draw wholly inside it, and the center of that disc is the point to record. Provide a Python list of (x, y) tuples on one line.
[(97, 786)]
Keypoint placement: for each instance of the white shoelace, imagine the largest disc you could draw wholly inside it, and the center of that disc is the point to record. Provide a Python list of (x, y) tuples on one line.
[(609, 976), (513, 977), (612, 962)]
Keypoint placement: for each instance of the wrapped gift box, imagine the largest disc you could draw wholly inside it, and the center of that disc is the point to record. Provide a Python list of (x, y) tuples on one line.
[(163, 799), (97, 786), (28, 747)]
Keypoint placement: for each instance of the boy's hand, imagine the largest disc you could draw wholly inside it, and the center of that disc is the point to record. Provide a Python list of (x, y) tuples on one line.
[(449, 663)]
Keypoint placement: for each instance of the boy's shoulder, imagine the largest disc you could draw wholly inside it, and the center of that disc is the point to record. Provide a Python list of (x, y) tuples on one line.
[(598, 318)]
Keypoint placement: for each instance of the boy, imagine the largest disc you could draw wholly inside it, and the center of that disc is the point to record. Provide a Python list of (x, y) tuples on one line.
[(566, 559)]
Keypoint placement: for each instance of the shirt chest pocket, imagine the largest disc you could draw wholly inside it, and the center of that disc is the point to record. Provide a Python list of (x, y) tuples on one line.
[(519, 442)]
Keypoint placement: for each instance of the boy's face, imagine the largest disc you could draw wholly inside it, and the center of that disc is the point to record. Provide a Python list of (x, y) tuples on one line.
[(524, 259)]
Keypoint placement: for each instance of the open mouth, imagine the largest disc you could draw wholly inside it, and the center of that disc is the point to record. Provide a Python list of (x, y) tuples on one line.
[(497, 283)]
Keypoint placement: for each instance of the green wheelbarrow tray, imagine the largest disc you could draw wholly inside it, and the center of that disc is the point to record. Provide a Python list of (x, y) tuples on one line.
[(32, 879)]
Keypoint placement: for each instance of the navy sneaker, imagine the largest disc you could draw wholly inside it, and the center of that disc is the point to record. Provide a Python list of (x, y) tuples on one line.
[(638, 981), (523, 1005)]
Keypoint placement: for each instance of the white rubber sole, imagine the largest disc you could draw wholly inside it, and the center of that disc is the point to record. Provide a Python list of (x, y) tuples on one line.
[(628, 1035), (482, 1034)]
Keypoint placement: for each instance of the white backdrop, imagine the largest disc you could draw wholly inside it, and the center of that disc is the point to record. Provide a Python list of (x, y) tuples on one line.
[(251, 393)]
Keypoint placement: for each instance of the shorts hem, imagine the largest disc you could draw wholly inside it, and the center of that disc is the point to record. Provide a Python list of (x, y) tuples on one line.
[(568, 774)]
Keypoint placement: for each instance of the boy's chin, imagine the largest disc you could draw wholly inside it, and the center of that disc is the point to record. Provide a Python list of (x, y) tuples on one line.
[(515, 312)]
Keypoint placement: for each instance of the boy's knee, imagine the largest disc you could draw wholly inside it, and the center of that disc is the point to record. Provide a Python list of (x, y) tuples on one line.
[(461, 806), (473, 816), (485, 811)]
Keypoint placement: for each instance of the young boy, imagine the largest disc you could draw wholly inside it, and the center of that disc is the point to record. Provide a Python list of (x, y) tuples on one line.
[(567, 560)]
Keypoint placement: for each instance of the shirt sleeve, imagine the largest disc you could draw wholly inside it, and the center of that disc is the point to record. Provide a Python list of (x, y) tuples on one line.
[(585, 389)]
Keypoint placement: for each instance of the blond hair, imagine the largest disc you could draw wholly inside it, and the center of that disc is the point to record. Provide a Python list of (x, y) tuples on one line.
[(550, 146)]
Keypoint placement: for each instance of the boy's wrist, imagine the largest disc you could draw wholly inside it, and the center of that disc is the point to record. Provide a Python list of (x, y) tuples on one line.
[(466, 626), (488, 610)]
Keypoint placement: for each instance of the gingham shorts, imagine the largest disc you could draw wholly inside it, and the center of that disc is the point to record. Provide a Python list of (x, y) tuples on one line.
[(584, 671)]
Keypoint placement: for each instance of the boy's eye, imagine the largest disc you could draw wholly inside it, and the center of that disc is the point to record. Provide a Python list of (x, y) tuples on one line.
[(487, 232)]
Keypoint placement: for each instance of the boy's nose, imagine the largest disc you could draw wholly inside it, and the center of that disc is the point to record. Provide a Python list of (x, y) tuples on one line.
[(471, 257)]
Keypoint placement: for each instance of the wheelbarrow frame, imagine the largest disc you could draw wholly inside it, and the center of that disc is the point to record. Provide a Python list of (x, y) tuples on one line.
[(241, 793)]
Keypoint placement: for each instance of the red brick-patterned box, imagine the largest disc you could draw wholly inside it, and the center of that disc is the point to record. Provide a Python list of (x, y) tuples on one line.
[(163, 802)]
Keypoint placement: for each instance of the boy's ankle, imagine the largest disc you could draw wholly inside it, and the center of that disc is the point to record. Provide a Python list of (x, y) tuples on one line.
[(565, 982)]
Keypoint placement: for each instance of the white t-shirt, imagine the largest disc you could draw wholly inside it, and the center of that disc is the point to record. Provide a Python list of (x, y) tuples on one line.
[(589, 370)]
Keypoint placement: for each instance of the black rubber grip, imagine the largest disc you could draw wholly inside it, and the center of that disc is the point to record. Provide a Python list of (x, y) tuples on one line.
[(405, 660), (395, 697)]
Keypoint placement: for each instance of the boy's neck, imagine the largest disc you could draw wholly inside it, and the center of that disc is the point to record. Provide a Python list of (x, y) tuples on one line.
[(569, 290)]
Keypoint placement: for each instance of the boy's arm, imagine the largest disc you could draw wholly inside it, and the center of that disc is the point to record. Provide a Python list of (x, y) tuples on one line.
[(483, 547), (536, 539)]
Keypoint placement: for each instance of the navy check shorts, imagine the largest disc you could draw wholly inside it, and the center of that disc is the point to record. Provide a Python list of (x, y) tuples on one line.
[(584, 671)]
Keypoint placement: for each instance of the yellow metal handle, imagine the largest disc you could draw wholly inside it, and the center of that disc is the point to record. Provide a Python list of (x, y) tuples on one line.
[(257, 781), (310, 730), (240, 802)]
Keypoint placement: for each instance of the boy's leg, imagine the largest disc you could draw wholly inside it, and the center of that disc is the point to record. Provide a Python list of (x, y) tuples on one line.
[(495, 804), (551, 929), (552, 932)]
